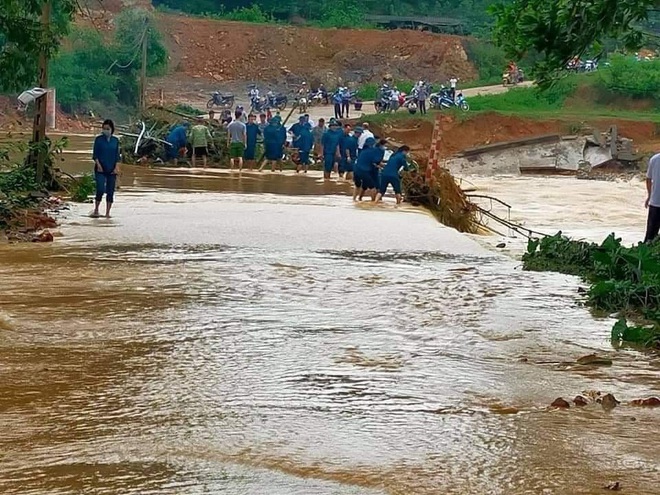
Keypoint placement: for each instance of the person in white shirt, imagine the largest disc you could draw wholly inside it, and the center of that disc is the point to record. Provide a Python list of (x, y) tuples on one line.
[(452, 84), (366, 134), (653, 198)]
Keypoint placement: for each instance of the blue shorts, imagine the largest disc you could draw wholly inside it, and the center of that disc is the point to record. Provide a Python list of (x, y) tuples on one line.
[(304, 157), (273, 152), (346, 165), (386, 180), (363, 180), (328, 163)]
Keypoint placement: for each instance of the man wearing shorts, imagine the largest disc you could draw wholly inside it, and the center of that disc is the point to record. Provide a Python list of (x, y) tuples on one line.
[(390, 174), (199, 140), (237, 140)]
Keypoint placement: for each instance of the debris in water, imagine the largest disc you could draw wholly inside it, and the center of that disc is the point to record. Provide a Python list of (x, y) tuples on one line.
[(580, 401), (45, 236), (501, 245), (615, 486), (650, 402), (594, 360), (560, 403), (608, 402)]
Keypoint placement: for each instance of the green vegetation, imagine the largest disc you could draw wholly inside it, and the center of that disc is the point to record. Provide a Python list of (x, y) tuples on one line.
[(629, 77), (82, 188), (562, 29), (528, 99), (23, 38), (95, 73), (336, 13), (622, 280), (490, 61)]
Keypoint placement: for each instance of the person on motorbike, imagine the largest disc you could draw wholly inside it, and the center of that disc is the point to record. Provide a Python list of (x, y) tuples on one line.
[(324, 94)]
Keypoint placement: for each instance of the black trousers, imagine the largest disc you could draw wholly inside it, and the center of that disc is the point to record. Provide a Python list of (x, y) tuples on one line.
[(338, 114), (345, 108), (422, 107), (652, 223)]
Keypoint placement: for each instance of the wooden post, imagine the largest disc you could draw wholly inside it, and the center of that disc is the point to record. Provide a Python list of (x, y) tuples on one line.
[(40, 116), (143, 71), (432, 164)]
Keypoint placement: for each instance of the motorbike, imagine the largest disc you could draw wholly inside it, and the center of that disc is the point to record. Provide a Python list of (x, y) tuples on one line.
[(221, 100), (258, 104), (510, 78), (445, 101), (436, 98), (317, 97), (278, 101)]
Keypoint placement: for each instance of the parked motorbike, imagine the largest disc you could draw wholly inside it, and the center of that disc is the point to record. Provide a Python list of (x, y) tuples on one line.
[(218, 99), (436, 98), (278, 101), (510, 78), (318, 97), (447, 102)]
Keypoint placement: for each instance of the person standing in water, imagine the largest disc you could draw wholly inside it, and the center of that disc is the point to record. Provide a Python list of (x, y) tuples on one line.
[(252, 133), (237, 141), (390, 173), (106, 156), (305, 143), (331, 153), (652, 202), (272, 145), (199, 139), (368, 159)]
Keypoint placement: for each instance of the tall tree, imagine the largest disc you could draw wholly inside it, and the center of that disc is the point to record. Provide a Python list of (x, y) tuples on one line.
[(562, 29), (23, 37)]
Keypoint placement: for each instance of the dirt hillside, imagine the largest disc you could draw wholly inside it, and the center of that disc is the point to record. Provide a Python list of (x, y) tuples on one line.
[(226, 51)]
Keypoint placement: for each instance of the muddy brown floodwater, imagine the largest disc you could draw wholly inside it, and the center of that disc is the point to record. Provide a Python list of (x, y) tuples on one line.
[(263, 335)]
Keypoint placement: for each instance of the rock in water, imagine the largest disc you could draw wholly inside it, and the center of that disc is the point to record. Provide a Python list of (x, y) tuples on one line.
[(615, 486), (609, 402), (560, 403), (580, 401)]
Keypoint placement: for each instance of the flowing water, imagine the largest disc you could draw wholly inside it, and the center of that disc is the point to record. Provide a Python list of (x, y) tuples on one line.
[(263, 335)]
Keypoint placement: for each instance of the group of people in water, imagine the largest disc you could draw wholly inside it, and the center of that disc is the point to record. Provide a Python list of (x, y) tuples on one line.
[(353, 153)]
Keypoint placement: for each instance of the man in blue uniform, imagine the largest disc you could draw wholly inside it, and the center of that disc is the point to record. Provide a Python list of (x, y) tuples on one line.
[(390, 173)]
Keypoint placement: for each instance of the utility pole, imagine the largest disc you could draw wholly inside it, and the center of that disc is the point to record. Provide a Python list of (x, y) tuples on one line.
[(39, 124), (143, 72)]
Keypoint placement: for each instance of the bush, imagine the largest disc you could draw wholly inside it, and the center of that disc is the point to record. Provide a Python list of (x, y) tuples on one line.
[(82, 188), (489, 59), (249, 14), (627, 76), (527, 99), (625, 280), (91, 69)]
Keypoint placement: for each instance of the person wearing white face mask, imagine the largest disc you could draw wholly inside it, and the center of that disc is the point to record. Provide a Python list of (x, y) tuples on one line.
[(106, 158)]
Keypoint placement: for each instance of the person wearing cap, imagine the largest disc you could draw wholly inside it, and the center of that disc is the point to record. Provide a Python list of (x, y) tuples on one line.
[(390, 173), (305, 144), (331, 152), (363, 178), (337, 101), (272, 145)]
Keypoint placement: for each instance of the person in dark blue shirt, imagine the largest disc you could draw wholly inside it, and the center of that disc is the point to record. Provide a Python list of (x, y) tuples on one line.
[(272, 145), (295, 130), (330, 142), (345, 167), (177, 139), (367, 161), (252, 133), (305, 145), (390, 173), (106, 156)]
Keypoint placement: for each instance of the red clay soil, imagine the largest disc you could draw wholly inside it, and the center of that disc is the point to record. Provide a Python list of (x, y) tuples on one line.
[(11, 120), (483, 129), (223, 50)]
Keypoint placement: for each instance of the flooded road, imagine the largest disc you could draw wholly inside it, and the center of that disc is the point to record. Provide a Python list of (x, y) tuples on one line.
[(264, 335)]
